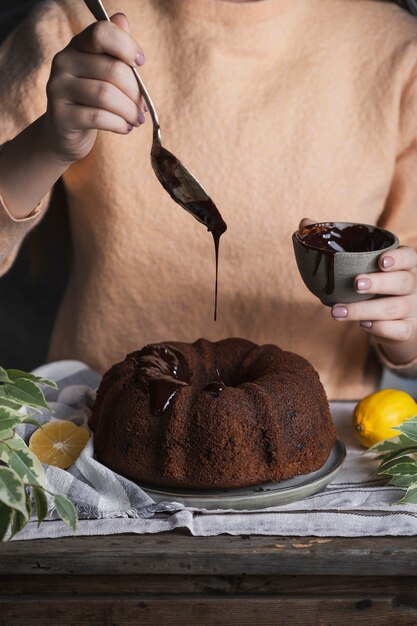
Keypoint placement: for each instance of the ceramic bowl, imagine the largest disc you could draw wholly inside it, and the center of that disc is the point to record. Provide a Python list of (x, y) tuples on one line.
[(330, 274)]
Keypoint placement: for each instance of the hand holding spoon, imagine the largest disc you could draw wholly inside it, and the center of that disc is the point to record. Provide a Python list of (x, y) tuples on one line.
[(181, 185)]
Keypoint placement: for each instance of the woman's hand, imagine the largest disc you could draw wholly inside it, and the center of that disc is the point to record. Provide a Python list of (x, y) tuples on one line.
[(92, 87), (392, 317)]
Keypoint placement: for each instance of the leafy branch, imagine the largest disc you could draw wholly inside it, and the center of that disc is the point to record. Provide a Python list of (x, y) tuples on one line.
[(22, 478), (398, 457)]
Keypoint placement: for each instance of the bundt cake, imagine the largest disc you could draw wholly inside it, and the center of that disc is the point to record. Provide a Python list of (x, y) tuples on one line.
[(212, 415)]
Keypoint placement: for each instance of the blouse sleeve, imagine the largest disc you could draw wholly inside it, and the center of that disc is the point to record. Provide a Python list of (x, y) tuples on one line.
[(25, 61), (400, 211)]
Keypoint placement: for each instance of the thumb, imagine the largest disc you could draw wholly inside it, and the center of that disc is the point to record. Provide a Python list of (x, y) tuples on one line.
[(120, 19), (306, 221)]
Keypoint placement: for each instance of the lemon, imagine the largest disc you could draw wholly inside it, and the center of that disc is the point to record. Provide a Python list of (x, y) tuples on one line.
[(58, 443), (375, 415)]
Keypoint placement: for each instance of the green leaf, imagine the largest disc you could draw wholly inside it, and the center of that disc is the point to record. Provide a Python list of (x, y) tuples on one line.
[(399, 457), (41, 503), (19, 375), (24, 464), (66, 511), (6, 401), (389, 456), (390, 445), (409, 429), (31, 420), (400, 469), (404, 480), (23, 461), (6, 412), (19, 521), (9, 418), (26, 392), (3, 376), (12, 491), (5, 517), (28, 503), (410, 496), (6, 434)]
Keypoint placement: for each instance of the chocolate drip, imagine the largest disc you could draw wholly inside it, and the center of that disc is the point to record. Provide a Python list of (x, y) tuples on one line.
[(206, 212), (217, 386), (161, 372), (328, 239), (179, 183), (329, 260)]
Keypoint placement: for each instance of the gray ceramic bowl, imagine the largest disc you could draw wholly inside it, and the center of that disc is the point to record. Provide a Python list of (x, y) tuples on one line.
[(329, 274)]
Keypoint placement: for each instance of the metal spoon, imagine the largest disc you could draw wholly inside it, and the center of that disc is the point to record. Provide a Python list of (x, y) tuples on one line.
[(181, 185)]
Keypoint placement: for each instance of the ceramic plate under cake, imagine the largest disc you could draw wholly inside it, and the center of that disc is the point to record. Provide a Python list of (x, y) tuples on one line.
[(256, 496)]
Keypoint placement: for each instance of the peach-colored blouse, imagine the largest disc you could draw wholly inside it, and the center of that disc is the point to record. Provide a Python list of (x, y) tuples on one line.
[(283, 109)]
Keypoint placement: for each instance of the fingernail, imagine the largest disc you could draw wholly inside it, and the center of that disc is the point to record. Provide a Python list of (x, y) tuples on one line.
[(141, 118), (362, 284), (145, 108), (365, 324), (129, 128), (339, 312), (387, 262), (140, 58)]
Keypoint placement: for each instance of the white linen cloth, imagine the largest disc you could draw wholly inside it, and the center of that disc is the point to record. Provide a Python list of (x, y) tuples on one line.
[(356, 503)]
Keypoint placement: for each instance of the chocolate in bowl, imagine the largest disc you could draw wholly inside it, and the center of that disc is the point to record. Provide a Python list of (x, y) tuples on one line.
[(330, 255)]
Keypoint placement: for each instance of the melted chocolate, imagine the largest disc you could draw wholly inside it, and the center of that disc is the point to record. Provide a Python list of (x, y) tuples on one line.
[(215, 224), (215, 387), (350, 238), (182, 188), (161, 372), (328, 239)]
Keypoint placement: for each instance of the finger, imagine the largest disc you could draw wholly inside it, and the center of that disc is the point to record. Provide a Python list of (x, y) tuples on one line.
[(391, 330), (305, 222), (120, 19), (391, 308), (85, 117), (106, 37), (387, 283), (105, 68), (102, 95), (403, 258)]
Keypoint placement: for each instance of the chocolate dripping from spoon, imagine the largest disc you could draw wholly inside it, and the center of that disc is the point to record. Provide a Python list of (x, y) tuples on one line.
[(173, 176), (189, 194)]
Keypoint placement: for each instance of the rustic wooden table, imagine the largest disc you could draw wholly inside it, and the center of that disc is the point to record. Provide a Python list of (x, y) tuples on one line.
[(179, 579)]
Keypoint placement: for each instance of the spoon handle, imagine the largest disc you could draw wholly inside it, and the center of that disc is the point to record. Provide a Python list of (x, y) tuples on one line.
[(97, 9)]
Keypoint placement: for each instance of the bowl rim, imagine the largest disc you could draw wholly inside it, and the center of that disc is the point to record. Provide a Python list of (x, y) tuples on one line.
[(395, 242)]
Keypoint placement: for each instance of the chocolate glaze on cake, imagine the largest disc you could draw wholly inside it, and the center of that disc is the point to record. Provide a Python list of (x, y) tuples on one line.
[(215, 387), (226, 414), (161, 372)]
